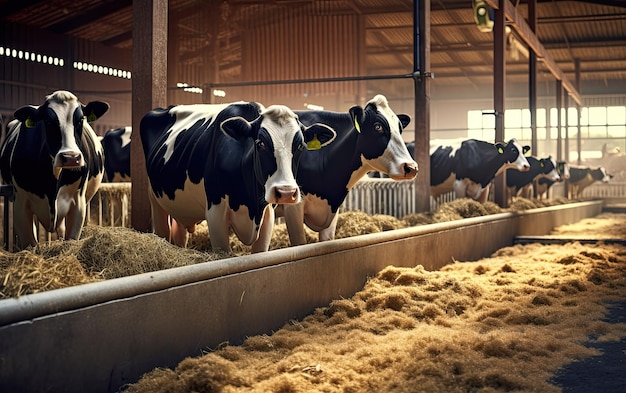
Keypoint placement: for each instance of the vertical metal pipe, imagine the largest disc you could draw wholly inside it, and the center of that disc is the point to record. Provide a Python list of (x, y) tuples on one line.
[(499, 93), (532, 78), (578, 108), (421, 77), (559, 108)]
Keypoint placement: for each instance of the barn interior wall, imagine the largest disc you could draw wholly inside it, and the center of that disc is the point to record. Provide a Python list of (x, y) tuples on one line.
[(27, 82)]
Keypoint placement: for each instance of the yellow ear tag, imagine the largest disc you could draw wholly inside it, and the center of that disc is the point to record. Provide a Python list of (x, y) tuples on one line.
[(541, 164), (92, 117), (500, 150), (314, 144), (357, 126), (29, 123)]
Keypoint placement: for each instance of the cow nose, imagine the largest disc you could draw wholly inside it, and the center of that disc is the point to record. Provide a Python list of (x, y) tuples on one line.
[(525, 168), (69, 159), (287, 194), (410, 170)]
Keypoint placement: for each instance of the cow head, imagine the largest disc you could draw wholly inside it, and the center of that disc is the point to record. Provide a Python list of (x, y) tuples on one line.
[(601, 174), (549, 169), (563, 168), (279, 140), (380, 140), (61, 118), (514, 155)]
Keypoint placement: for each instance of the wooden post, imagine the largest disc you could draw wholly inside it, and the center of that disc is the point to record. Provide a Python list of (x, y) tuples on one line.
[(422, 77), (149, 90), (499, 94)]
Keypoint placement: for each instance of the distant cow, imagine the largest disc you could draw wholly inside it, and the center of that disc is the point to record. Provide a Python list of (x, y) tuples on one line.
[(583, 177), (368, 139), (469, 169), (226, 164), (521, 183), (543, 184), (55, 161), (116, 144)]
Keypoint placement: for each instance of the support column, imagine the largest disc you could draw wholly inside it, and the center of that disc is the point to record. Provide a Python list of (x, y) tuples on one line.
[(499, 94), (149, 90), (422, 77)]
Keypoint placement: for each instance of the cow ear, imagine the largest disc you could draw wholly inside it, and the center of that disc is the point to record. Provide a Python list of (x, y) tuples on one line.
[(500, 147), (94, 110), (357, 116), (318, 135), (28, 115), (404, 120), (236, 127), (526, 150)]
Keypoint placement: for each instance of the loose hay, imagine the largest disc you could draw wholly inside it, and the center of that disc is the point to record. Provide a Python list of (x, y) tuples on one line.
[(504, 323), (101, 253)]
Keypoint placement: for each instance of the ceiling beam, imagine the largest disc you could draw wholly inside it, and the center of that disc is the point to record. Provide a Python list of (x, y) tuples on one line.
[(518, 23), (89, 15), (12, 7)]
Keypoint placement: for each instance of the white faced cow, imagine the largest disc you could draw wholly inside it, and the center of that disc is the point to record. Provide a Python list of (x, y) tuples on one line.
[(55, 161), (583, 177), (368, 139), (469, 169), (522, 183), (226, 164)]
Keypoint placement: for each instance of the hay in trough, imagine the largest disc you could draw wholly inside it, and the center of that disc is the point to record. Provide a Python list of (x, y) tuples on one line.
[(25, 272), (504, 323), (101, 253)]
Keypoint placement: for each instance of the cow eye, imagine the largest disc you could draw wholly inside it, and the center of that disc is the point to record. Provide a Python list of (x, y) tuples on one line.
[(260, 144), (378, 127)]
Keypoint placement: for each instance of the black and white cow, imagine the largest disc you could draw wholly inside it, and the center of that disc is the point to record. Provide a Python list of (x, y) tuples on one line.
[(55, 161), (542, 185), (583, 177), (521, 183), (368, 139), (468, 169), (116, 144), (225, 163)]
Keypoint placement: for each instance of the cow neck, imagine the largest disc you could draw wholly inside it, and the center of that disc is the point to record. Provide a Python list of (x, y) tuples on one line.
[(494, 164), (348, 147)]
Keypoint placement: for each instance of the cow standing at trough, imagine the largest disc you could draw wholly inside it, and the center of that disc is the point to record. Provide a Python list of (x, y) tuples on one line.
[(469, 169), (55, 162), (368, 139), (542, 184), (116, 144), (522, 183), (583, 177), (226, 164)]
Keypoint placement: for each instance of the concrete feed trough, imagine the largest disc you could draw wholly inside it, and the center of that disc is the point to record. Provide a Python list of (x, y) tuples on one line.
[(97, 337)]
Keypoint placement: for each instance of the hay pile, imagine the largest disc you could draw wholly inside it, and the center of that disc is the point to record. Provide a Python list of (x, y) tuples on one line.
[(504, 323), (102, 253)]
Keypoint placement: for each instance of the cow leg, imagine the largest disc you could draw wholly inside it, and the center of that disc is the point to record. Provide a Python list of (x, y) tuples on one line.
[(294, 220), (74, 220), (219, 226), (484, 194), (329, 233), (262, 243), (159, 217), (178, 233), (24, 224)]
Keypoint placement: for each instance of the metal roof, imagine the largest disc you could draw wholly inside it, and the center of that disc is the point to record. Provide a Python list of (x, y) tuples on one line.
[(592, 33)]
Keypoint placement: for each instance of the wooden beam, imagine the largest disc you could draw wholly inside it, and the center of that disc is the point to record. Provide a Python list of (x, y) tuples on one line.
[(422, 78), (499, 95), (517, 22), (149, 87), (89, 16)]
